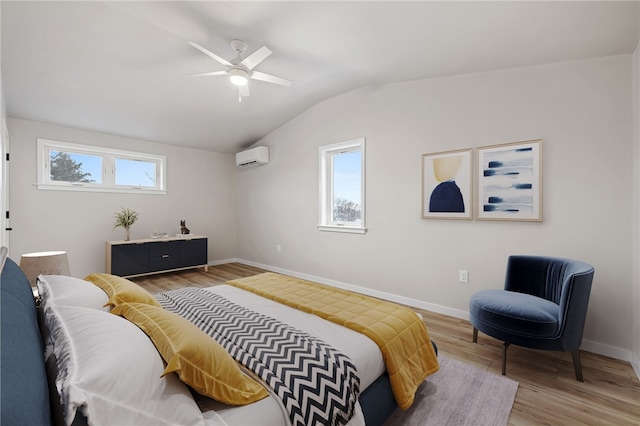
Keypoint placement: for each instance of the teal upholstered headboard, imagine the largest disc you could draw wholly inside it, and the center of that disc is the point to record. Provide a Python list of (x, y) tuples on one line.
[(24, 399)]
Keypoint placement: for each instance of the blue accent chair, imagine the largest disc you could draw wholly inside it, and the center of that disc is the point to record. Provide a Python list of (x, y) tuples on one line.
[(543, 306)]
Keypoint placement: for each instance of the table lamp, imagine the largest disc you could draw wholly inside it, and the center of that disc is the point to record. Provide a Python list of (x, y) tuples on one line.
[(46, 263)]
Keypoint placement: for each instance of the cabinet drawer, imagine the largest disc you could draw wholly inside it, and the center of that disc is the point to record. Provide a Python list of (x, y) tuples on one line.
[(129, 259), (164, 255)]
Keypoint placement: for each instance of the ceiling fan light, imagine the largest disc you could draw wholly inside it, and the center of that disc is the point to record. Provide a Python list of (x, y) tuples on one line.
[(238, 77)]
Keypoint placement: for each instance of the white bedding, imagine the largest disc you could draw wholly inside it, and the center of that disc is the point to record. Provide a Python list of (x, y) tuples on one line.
[(79, 303), (364, 353)]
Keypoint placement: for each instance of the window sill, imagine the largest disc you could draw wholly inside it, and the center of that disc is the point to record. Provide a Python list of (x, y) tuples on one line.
[(344, 229), (90, 188)]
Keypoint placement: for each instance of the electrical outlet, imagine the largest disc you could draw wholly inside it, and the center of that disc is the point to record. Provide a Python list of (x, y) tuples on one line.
[(278, 248), (463, 275)]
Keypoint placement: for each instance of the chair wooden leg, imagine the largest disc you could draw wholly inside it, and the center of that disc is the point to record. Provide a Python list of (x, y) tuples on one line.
[(475, 335), (577, 365), (504, 358)]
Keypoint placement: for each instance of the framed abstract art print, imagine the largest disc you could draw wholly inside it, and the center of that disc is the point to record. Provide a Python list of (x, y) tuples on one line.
[(510, 181), (447, 185)]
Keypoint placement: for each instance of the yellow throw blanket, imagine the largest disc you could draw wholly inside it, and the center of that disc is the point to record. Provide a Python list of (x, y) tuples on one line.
[(398, 331)]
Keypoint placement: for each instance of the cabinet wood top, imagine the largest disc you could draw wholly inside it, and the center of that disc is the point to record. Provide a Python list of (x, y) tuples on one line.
[(156, 240)]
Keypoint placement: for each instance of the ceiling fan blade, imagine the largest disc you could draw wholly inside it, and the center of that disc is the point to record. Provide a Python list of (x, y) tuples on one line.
[(256, 57), (210, 54), (257, 75), (205, 74)]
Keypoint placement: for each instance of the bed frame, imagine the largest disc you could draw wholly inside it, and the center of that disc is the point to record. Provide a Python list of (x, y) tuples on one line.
[(25, 388), (29, 397)]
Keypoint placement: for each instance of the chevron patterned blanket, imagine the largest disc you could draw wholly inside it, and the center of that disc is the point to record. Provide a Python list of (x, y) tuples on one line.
[(316, 383), (401, 335)]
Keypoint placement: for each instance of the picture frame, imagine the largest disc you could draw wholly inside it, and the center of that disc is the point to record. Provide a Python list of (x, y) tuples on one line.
[(509, 181), (447, 185)]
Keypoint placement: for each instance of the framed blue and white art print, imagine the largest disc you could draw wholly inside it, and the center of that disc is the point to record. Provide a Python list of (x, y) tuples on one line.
[(447, 185), (510, 182)]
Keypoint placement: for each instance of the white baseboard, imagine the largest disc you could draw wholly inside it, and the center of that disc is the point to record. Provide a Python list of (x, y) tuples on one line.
[(635, 363), (587, 345), (606, 350), (363, 290), (224, 261), (367, 291)]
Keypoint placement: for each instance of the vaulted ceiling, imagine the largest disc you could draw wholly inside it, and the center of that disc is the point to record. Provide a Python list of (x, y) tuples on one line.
[(123, 67)]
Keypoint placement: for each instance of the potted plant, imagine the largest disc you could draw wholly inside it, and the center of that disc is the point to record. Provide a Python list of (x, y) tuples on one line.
[(125, 218)]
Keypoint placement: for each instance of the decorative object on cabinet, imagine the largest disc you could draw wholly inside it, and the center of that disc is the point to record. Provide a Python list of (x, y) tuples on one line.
[(46, 263), (125, 218), (510, 182), (183, 228), (447, 185), (151, 256)]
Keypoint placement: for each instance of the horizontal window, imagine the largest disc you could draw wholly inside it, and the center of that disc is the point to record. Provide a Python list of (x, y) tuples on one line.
[(75, 167)]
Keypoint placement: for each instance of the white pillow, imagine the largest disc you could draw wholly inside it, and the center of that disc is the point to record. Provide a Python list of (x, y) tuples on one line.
[(110, 370), (69, 291)]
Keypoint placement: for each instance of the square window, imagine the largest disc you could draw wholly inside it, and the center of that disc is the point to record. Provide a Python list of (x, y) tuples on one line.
[(135, 172), (68, 166)]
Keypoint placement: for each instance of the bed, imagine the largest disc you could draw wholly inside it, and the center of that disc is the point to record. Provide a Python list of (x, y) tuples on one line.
[(109, 369)]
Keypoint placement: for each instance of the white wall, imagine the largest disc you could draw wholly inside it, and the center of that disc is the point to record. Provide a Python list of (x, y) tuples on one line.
[(4, 236), (582, 111), (3, 103), (201, 190), (636, 230)]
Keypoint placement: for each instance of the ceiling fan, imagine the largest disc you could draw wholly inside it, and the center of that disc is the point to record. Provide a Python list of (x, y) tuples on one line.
[(241, 70)]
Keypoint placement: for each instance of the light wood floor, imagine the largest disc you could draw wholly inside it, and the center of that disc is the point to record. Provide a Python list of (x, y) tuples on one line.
[(548, 393)]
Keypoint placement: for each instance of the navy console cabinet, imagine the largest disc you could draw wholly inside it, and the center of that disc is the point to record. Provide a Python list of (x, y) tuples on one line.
[(152, 256)]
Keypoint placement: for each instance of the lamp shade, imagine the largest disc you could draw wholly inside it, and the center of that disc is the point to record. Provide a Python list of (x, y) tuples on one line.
[(46, 263)]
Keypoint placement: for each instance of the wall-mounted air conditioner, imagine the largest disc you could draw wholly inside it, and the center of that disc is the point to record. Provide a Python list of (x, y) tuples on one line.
[(253, 157)]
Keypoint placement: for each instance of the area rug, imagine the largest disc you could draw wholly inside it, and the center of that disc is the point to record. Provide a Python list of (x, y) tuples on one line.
[(459, 394)]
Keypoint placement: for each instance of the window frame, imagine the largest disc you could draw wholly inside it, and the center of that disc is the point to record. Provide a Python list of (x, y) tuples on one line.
[(109, 156), (326, 153)]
